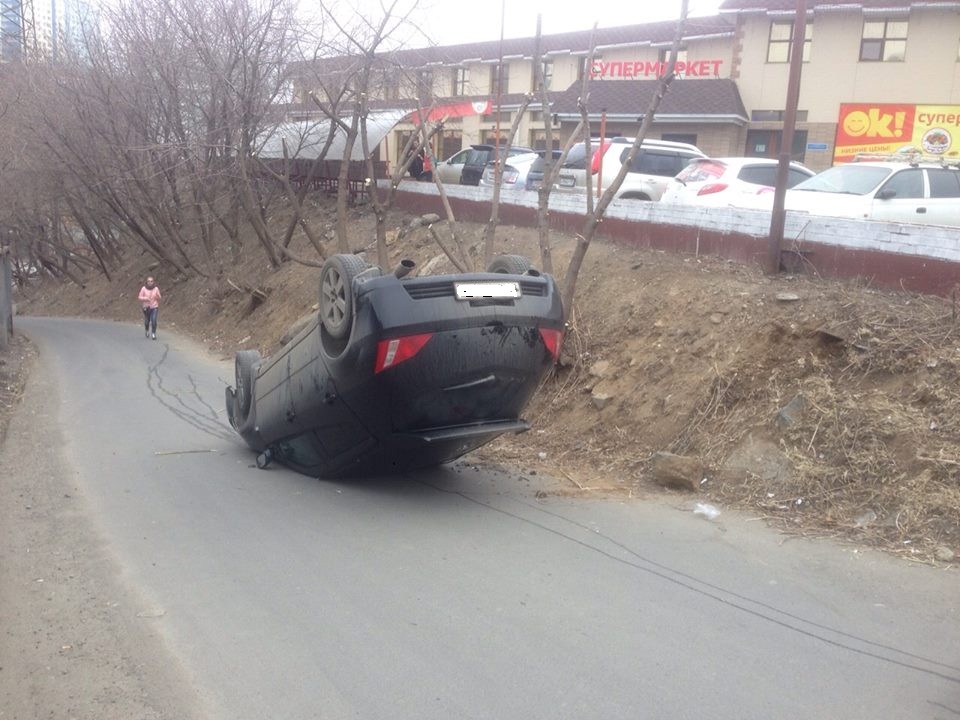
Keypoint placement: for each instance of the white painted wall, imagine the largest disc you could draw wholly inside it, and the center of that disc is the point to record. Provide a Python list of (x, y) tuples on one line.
[(931, 241)]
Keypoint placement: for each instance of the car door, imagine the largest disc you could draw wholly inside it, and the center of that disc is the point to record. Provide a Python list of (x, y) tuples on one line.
[(900, 198), (943, 206), (449, 170), (651, 171)]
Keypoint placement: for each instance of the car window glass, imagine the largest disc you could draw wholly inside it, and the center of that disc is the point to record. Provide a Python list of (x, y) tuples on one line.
[(655, 162), (576, 158), (905, 184), (758, 174), (944, 183), (460, 158), (702, 171), (794, 176), (687, 158), (478, 157)]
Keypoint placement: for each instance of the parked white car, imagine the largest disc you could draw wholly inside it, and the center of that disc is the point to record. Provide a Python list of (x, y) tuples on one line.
[(656, 163), (926, 193), (514, 175), (723, 182)]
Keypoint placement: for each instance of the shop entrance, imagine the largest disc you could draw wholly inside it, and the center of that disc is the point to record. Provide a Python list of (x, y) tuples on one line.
[(766, 144)]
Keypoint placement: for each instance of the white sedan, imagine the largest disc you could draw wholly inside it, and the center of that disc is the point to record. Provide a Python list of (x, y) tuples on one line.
[(729, 181)]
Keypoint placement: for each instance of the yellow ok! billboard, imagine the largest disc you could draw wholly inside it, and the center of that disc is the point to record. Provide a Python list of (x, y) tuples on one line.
[(893, 128)]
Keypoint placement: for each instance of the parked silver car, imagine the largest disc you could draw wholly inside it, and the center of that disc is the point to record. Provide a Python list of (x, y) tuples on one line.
[(514, 175)]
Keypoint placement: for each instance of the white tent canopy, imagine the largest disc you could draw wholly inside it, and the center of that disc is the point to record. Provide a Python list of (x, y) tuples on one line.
[(305, 139)]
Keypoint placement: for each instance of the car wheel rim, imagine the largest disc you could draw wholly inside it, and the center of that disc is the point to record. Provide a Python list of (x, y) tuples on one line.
[(335, 297)]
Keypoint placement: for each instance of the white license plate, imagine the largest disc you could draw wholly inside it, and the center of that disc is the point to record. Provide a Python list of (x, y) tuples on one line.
[(567, 181), (476, 291)]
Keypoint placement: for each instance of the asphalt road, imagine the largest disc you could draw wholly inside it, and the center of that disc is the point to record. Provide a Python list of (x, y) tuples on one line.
[(458, 593)]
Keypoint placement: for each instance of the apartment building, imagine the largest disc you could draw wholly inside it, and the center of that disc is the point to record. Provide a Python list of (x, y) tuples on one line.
[(42, 28), (877, 75)]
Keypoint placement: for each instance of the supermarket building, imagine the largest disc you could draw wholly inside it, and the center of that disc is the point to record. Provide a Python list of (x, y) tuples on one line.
[(878, 75)]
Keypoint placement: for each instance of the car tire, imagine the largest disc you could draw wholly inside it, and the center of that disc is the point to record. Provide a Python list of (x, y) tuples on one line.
[(245, 365), (509, 264), (633, 196), (336, 293)]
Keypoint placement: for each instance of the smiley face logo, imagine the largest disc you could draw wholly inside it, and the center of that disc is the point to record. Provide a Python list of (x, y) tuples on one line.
[(856, 123)]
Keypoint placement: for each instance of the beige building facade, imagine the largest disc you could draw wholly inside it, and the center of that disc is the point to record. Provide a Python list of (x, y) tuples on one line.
[(861, 59)]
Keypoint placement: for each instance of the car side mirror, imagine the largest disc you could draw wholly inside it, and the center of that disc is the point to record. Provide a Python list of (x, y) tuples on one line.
[(886, 194)]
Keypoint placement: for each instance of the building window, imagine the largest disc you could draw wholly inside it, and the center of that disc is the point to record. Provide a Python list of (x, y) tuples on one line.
[(492, 137), (766, 143), (391, 85), (664, 55), (461, 81), (450, 143), (425, 85), (582, 66), (689, 138), (538, 140), (775, 115), (781, 41), (496, 71), (504, 117), (547, 76), (884, 41)]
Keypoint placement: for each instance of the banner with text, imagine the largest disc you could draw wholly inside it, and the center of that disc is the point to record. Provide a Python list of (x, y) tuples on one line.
[(887, 128)]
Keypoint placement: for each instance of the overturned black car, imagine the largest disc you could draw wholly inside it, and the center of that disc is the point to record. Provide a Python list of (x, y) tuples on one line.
[(399, 372)]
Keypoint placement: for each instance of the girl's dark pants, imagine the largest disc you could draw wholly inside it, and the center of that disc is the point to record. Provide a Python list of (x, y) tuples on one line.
[(150, 319)]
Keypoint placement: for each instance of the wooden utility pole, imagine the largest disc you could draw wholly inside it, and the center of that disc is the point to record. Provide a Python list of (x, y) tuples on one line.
[(778, 217)]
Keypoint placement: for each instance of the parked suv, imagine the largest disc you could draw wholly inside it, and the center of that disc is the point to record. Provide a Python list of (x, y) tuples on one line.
[(907, 191), (655, 164)]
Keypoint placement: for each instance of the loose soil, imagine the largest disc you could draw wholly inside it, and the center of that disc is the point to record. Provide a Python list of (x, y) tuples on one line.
[(826, 408)]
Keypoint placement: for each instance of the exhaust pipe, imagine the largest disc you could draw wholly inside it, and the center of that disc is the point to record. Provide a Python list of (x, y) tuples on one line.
[(404, 268)]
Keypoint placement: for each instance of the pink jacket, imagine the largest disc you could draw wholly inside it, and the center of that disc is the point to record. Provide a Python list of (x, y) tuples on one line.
[(150, 298)]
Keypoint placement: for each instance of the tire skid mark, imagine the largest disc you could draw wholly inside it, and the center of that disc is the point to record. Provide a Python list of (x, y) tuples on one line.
[(155, 386)]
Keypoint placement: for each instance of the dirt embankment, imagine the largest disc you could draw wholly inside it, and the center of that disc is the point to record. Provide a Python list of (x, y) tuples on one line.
[(827, 408)]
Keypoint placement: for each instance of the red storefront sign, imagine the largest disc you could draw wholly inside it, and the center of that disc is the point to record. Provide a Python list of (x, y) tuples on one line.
[(645, 69)]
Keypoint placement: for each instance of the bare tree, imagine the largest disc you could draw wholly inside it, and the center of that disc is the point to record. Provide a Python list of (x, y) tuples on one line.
[(502, 153), (551, 168), (595, 215)]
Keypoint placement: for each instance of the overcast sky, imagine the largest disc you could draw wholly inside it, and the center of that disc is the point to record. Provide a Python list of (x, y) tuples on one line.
[(451, 22)]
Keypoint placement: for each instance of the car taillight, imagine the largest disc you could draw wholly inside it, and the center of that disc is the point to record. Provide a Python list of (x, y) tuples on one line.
[(712, 188), (510, 175), (397, 350), (553, 339), (595, 163)]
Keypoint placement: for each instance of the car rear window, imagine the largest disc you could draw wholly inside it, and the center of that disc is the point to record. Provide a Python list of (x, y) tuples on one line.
[(702, 171), (758, 174), (577, 157), (944, 183)]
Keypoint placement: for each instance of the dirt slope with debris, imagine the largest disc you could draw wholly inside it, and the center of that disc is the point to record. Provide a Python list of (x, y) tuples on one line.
[(827, 408)]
